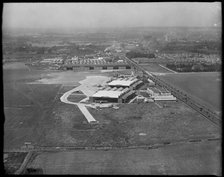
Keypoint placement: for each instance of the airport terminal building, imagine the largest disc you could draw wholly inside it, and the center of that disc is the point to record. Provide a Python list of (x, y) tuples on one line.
[(118, 91)]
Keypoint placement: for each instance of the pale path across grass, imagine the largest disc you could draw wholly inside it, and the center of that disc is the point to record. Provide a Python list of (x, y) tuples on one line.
[(87, 87), (64, 99), (132, 100), (86, 113), (168, 69), (158, 105)]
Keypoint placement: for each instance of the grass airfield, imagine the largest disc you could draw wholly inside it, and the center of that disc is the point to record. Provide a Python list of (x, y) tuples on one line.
[(34, 113)]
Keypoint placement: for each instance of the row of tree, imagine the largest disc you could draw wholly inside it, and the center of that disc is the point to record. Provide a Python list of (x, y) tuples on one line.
[(199, 67), (204, 47)]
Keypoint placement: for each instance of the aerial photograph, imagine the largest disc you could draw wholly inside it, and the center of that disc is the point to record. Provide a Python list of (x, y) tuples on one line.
[(112, 88)]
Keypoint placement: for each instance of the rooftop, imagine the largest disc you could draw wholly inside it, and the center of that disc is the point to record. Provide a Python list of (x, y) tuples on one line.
[(122, 82), (108, 94)]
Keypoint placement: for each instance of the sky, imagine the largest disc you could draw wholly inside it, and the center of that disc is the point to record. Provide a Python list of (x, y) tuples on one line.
[(104, 15)]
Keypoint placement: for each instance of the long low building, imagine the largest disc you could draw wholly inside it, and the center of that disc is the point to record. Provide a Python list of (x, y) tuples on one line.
[(122, 82), (106, 96), (160, 93), (94, 64), (131, 83)]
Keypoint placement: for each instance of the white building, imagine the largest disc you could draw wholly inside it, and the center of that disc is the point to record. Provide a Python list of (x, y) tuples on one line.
[(159, 94)]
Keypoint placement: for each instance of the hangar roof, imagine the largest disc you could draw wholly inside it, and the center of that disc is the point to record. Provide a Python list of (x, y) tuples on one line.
[(108, 94), (120, 82)]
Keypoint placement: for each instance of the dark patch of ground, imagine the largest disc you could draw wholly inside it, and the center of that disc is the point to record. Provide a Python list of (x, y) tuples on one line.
[(12, 161)]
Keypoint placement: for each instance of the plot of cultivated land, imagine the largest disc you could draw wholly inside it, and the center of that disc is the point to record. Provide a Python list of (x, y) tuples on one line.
[(206, 86), (184, 159), (155, 68)]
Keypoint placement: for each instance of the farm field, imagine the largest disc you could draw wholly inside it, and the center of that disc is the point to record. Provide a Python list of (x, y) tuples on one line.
[(184, 159), (204, 86)]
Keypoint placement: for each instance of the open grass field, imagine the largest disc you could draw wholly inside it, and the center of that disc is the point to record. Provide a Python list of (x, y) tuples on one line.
[(173, 123), (25, 123), (31, 103), (183, 159), (153, 67), (76, 98), (34, 113), (66, 126), (27, 107), (15, 65), (204, 86)]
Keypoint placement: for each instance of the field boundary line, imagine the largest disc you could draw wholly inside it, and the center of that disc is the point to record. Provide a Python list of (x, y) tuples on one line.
[(149, 146)]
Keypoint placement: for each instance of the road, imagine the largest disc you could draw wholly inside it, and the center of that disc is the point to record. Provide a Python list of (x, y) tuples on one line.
[(81, 106), (86, 113)]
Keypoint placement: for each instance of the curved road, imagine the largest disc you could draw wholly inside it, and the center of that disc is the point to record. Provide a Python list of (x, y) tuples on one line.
[(81, 106)]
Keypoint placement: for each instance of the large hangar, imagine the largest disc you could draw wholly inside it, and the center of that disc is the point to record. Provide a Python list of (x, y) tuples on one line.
[(120, 90), (131, 83), (113, 94)]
